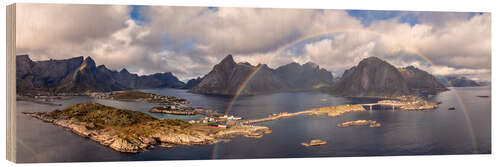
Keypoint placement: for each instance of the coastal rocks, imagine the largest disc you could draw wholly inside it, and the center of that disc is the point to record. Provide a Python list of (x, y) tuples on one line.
[(184, 139), (132, 131), (341, 110), (245, 130), (335, 111), (130, 145), (422, 105), (123, 145), (313, 143), (369, 123)]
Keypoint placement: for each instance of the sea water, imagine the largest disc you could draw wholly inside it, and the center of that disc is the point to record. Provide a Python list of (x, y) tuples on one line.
[(465, 130)]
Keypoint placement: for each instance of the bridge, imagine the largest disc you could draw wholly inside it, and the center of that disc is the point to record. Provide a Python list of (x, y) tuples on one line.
[(393, 105)]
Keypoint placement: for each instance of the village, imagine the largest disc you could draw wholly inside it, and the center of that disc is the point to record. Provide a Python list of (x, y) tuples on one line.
[(132, 95)]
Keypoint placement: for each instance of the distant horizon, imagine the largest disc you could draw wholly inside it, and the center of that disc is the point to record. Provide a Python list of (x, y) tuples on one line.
[(193, 39)]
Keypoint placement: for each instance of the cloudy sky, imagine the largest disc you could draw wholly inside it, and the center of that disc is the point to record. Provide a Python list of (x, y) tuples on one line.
[(188, 41)]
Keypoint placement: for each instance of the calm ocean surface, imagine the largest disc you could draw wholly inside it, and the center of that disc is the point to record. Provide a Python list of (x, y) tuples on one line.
[(465, 130)]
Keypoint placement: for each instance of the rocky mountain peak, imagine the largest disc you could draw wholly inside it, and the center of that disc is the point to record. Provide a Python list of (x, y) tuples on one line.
[(311, 65), (88, 63), (374, 61), (376, 77), (79, 59), (89, 60), (124, 71), (228, 60), (227, 76), (80, 75), (101, 67), (372, 77), (264, 66), (411, 68)]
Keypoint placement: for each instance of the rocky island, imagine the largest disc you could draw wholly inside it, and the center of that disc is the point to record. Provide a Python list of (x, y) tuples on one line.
[(369, 123), (313, 143), (132, 131)]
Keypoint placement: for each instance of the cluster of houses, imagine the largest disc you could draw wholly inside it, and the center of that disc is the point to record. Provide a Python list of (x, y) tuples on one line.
[(218, 122), (104, 95)]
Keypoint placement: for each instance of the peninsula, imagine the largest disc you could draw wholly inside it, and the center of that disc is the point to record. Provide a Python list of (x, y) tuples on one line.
[(133, 131)]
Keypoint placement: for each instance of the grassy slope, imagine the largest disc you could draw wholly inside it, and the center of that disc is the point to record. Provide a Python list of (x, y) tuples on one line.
[(126, 124)]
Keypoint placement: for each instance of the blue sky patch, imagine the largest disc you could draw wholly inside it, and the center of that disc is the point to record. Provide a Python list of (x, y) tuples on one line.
[(368, 16), (136, 15)]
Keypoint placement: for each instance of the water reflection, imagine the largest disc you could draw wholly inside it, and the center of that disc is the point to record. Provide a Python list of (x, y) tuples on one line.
[(440, 131)]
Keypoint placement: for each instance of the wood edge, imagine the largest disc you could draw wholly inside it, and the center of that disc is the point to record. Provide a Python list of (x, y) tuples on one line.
[(11, 83)]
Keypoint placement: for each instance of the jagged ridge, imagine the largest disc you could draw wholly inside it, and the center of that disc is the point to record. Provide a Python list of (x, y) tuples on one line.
[(77, 75), (228, 76)]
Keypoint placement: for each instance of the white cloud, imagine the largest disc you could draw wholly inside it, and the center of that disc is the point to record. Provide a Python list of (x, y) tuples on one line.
[(59, 30), (188, 41)]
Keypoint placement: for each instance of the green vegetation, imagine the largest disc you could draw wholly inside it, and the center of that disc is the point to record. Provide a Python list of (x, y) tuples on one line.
[(149, 97), (101, 115), (130, 94), (126, 124)]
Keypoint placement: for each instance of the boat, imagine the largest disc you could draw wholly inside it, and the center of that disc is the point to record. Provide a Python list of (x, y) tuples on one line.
[(451, 108)]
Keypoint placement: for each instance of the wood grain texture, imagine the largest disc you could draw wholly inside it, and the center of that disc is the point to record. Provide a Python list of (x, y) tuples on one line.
[(11, 83)]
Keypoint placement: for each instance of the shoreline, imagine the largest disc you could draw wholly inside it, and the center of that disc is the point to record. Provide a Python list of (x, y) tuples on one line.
[(169, 134), (369, 123), (158, 133)]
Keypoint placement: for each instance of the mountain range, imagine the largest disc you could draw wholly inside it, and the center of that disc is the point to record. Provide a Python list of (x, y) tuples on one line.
[(227, 77), (371, 77), (459, 81), (376, 77), (78, 75)]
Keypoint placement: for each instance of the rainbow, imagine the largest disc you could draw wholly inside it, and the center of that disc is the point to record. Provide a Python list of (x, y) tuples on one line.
[(283, 48)]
